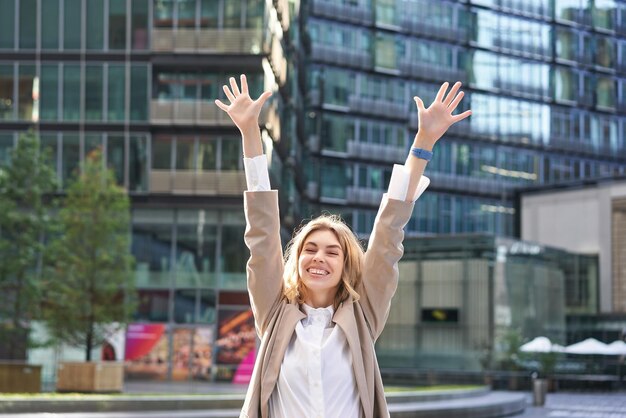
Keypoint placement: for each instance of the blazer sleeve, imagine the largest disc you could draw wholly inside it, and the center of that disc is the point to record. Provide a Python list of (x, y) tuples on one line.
[(380, 267), (265, 265)]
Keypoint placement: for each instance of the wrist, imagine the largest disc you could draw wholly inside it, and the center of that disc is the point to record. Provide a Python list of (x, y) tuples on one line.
[(422, 141)]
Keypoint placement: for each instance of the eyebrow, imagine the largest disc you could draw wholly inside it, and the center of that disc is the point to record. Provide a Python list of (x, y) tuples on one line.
[(328, 246)]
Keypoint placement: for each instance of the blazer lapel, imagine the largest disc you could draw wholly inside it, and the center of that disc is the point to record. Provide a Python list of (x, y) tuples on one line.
[(291, 316), (344, 318)]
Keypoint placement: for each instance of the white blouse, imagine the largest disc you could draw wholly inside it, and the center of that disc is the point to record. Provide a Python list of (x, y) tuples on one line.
[(316, 377)]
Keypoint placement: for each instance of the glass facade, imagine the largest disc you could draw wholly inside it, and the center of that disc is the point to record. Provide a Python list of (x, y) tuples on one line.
[(547, 100), (102, 74), (457, 296)]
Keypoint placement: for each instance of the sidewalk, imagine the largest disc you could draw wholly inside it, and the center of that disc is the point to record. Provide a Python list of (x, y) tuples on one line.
[(187, 387)]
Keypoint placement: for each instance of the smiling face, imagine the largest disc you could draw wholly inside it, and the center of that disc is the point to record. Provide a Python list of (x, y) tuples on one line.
[(320, 267)]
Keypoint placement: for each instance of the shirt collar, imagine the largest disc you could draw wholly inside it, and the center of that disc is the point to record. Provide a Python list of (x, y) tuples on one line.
[(318, 315)]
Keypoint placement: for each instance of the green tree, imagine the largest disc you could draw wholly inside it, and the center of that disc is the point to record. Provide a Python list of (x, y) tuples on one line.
[(92, 281), (26, 184)]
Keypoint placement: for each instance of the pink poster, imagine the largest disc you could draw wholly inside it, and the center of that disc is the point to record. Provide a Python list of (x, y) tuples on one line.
[(146, 351)]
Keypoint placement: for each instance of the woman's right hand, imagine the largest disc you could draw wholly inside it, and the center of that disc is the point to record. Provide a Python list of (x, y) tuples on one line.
[(242, 109)]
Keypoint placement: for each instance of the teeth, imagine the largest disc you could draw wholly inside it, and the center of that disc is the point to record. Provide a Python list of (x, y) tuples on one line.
[(316, 271)]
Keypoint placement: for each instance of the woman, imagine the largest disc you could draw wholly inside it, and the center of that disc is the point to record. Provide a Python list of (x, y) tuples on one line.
[(319, 312)]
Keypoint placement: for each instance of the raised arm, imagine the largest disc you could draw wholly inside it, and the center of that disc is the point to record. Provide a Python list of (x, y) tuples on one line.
[(262, 236), (434, 121), (380, 270), (244, 113)]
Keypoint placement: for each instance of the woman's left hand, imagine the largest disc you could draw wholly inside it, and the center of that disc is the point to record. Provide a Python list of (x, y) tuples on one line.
[(435, 120)]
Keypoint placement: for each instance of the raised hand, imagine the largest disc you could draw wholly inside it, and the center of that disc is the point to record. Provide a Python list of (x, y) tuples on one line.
[(435, 120), (243, 111)]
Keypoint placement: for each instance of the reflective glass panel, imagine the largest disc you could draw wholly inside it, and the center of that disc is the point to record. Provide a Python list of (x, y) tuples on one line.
[(139, 24), (186, 13), (71, 92), (49, 25), (71, 24), (115, 156), (7, 105), (138, 163), (116, 92), (7, 24), (26, 109), (139, 92), (196, 248), (117, 24), (28, 23), (95, 24), (209, 13), (152, 247), (94, 77)]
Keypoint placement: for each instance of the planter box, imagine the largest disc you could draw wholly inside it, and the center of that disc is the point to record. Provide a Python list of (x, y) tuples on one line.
[(90, 377), (19, 377)]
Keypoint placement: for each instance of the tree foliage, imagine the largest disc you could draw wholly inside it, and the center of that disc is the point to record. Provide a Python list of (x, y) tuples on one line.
[(91, 283), (26, 184)]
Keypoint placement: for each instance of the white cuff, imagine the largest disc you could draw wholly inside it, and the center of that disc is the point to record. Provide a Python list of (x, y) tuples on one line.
[(257, 176), (399, 184)]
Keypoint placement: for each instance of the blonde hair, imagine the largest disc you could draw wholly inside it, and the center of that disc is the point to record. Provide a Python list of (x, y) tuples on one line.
[(294, 288)]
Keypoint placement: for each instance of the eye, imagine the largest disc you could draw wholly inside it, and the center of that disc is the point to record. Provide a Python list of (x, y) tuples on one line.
[(309, 251), (333, 253)]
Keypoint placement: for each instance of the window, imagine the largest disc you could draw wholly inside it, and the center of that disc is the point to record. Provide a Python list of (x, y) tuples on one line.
[(26, 109), (139, 24), (117, 24), (115, 156), (7, 24), (209, 13), (93, 92), (196, 248), (116, 95), (71, 92), (95, 24), (162, 152), (231, 153), (7, 105), (254, 14), (152, 246), (138, 163), (164, 13), (49, 92), (139, 92), (72, 24), (207, 154), (604, 13), (232, 14), (185, 153), (187, 13), (28, 23), (49, 25)]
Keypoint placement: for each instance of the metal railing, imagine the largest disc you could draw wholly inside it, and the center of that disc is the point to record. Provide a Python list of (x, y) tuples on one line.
[(227, 41), (227, 182)]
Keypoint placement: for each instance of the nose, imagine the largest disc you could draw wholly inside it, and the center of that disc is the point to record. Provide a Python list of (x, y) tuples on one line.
[(318, 257)]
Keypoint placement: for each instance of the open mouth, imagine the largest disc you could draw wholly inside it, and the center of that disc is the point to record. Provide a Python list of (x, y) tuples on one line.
[(317, 272)]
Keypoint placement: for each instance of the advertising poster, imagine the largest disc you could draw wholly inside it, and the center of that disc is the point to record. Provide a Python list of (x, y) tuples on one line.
[(203, 353), (146, 351), (236, 345)]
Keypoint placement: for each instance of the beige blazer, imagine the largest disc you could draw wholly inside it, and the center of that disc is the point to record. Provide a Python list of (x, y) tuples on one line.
[(276, 318)]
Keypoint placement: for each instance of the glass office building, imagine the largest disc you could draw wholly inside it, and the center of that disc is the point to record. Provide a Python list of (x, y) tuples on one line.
[(545, 80), (137, 78), (459, 297)]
